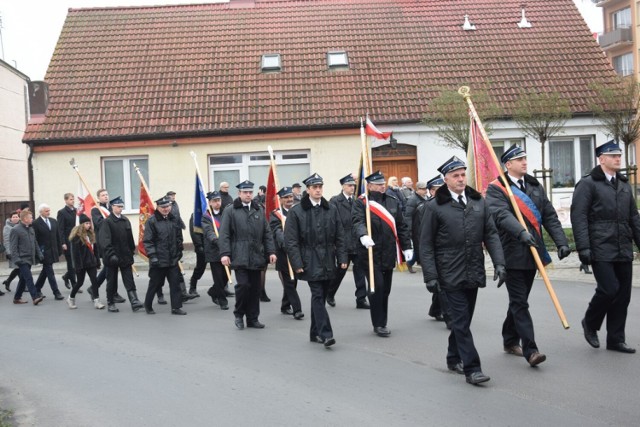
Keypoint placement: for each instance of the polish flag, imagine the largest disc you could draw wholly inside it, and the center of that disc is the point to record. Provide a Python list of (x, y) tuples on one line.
[(373, 131)]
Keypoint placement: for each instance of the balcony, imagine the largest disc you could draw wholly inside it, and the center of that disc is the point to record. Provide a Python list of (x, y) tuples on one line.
[(616, 37)]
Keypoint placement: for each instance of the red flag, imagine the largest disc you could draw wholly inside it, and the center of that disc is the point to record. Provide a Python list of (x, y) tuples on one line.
[(481, 168), (146, 210), (85, 205), (372, 130), (271, 200)]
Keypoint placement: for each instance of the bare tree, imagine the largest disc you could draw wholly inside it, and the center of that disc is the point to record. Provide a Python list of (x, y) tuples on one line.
[(541, 115), (449, 114), (616, 107)]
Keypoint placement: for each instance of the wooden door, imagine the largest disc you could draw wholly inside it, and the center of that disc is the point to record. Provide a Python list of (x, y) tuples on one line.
[(397, 167)]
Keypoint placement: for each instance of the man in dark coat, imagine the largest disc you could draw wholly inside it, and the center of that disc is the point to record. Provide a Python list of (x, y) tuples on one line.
[(246, 245), (516, 242), (224, 194), (25, 253), (314, 241), (98, 215), (163, 244), (412, 219), (48, 238), (117, 245), (66, 221), (605, 225), (344, 203), (389, 237), (212, 251), (290, 299), (455, 226)]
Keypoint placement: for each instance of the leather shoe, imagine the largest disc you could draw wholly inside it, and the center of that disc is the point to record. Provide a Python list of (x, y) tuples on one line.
[(411, 270), (58, 296), (111, 308), (239, 323), (329, 342), (477, 378), (224, 305), (265, 298), (19, 301), (331, 301), (536, 358), (37, 300), (178, 311), (298, 315), (622, 347), (363, 304), (381, 331), (516, 350), (117, 298), (458, 368), (149, 310), (590, 335), (161, 300), (67, 282), (255, 324), (288, 311)]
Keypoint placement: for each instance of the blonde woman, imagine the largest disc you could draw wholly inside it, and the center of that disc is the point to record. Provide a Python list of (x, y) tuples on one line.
[(85, 262)]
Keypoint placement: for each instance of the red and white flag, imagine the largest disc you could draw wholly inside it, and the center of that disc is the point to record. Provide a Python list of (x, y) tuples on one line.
[(86, 202), (371, 130)]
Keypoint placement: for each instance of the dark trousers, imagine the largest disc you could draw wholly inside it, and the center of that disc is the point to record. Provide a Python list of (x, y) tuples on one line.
[(92, 273), (26, 279), (220, 280), (320, 323), (248, 294), (47, 273), (358, 278), (379, 300), (518, 327), (290, 297), (102, 276), (611, 299), (70, 274), (157, 276), (14, 273), (461, 347), (112, 280), (198, 270)]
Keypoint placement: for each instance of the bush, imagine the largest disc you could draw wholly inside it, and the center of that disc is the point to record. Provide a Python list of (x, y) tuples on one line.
[(550, 244)]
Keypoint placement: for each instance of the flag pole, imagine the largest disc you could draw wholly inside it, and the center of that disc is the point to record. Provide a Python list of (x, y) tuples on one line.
[(215, 227), (465, 92), (282, 217), (366, 171)]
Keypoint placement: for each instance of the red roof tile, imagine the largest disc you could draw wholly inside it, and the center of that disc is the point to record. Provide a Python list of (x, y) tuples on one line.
[(142, 72)]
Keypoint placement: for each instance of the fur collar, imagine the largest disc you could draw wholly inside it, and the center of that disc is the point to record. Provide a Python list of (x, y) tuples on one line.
[(306, 204), (237, 204), (598, 175), (443, 195)]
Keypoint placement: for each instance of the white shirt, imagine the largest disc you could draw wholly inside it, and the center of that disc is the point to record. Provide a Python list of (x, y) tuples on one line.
[(456, 195)]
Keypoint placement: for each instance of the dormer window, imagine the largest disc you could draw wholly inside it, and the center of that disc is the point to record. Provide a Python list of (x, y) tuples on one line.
[(337, 59), (271, 62)]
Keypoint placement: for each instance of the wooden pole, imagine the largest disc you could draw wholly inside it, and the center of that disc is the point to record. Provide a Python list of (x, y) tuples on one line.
[(465, 92), (366, 171)]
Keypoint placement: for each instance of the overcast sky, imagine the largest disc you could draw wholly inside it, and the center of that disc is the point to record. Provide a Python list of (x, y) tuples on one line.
[(30, 28)]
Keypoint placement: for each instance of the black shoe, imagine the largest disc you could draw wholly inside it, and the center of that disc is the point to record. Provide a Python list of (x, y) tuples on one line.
[(516, 350), (439, 318), (188, 297), (161, 300), (298, 315), (58, 296), (212, 294), (621, 347), (1, 293), (112, 308), (536, 358), (363, 304), (288, 311), (331, 301), (39, 295), (117, 298), (585, 268), (239, 323), (590, 335), (7, 285), (192, 291), (178, 311), (228, 293), (255, 324), (67, 282), (381, 331), (477, 378), (316, 340), (458, 368), (224, 305), (265, 298), (329, 342), (149, 310)]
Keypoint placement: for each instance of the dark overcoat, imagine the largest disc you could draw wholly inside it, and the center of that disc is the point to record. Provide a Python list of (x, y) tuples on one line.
[(163, 239), (116, 239), (48, 239), (346, 219)]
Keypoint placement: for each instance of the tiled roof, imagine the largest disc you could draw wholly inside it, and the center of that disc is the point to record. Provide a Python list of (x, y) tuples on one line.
[(141, 72)]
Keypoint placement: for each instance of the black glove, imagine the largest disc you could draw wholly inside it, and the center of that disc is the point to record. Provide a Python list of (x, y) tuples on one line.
[(113, 260), (563, 252), (433, 286), (154, 262), (98, 265), (500, 273), (526, 238), (585, 256)]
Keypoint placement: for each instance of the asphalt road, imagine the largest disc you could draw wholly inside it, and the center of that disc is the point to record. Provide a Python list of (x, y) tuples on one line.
[(84, 367)]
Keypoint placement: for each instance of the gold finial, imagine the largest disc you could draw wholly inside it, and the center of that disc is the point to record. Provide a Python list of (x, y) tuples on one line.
[(465, 91)]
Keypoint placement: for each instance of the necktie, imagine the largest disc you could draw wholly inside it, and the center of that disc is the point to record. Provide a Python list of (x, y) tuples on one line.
[(613, 181), (461, 201), (46, 220), (521, 184), (246, 208), (350, 200)]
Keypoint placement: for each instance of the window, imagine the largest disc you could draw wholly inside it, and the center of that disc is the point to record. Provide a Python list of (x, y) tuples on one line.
[(292, 166), (623, 64), (337, 59), (500, 146), (121, 179), (271, 62), (570, 159), (621, 18)]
